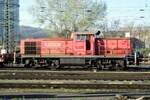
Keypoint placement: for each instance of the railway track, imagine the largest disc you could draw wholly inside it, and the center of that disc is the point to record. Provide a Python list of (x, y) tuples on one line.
[(73, 75), (70, 96), (75, 86), (74, 79)]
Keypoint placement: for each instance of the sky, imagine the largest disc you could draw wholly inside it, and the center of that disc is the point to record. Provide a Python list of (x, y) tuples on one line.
[(129, 10), (123, 10), (26, 17)]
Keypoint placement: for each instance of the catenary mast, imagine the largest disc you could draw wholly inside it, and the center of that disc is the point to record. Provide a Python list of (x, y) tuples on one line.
[(11, 25)]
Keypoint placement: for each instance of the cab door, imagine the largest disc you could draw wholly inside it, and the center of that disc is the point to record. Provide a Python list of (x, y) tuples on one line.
[(84, 44), (88, 44), (79, 45)]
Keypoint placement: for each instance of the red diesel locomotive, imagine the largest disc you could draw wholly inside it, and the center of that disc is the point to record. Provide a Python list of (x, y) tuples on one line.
[(82, 49)]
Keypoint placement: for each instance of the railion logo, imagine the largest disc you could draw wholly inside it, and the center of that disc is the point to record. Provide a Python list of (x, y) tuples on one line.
[(50, 45)]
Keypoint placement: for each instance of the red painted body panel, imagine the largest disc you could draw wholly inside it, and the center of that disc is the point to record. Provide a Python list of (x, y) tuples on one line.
[(69, 47), (22, 47), (114, 46), (48, 46), (79, 47), (53, 47), (22, 43), (64, 46)]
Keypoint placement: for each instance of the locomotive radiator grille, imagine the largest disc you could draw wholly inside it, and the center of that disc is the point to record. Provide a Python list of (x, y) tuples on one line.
[(32, 48)]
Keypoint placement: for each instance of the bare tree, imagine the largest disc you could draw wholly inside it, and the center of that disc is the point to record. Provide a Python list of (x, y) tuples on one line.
[(64, 16), (143, 34), (115, 25), (130, 28), (139, 31)]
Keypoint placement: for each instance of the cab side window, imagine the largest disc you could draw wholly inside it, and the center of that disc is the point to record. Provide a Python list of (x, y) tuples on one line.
[(81, 37)]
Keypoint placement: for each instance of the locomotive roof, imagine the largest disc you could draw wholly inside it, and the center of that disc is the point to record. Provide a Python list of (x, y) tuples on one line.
[(46, 39), (83, 33)]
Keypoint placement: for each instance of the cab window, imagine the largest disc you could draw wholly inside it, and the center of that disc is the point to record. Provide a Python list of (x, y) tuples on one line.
[(82, 37)]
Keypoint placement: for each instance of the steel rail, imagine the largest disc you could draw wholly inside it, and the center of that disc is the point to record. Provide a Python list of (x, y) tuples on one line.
[(75, 86), (47, 95), (46, 75)]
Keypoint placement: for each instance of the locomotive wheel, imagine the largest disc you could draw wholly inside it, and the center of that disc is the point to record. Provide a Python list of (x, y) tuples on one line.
[(99, 65), (54, 65), (120, 65), (95, 65), (114, 65), (28, 64), (1, 64)]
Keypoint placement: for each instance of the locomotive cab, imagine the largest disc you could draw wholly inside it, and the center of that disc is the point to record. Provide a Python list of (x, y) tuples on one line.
[(83, 43)]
